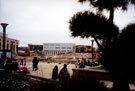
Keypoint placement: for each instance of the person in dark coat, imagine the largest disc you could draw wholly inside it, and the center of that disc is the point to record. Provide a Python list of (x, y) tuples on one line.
[(55, 73), (15, 66), (35, 63), (64, 75)]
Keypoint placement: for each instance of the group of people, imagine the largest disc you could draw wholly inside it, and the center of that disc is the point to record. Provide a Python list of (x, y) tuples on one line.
[(22, 67), (80, 63), (84, 62), (63, 75), (12, 64)]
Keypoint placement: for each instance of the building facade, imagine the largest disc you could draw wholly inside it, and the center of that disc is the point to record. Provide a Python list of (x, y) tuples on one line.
[(82, 49), (35, 48), (10, 44), (57, 48)]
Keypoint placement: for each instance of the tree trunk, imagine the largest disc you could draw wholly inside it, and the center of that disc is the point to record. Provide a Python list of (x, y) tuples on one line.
[(111, 17), (120, 82), (99, 45)]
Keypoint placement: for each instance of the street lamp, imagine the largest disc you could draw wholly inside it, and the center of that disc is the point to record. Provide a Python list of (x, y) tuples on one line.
[(92, 49), (4, 25)]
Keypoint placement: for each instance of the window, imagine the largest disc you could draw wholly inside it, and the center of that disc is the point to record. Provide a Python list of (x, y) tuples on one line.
[(57, 47), (63, 47), (69, 47)]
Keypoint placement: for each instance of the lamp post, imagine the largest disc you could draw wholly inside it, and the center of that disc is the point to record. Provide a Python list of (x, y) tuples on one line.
[(4, 25), (92, 49)]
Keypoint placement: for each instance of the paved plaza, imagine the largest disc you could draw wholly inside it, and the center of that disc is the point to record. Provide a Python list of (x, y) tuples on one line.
[(45, 69)]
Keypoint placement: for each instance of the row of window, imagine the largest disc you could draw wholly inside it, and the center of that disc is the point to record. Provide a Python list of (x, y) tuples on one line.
[(63, 47), (60, 45), (57, 47), (52, 44), (7, 46)]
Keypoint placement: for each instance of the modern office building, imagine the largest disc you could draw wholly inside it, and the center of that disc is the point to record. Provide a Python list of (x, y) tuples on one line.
[(57, 48)]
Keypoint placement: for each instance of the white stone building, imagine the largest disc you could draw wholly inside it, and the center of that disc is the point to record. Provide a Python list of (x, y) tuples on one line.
[(57, 48)]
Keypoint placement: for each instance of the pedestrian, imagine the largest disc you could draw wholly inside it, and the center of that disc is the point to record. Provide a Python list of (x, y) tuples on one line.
[(77, 64), (55, 73), (22, 61), (64, 75), (35, 63)]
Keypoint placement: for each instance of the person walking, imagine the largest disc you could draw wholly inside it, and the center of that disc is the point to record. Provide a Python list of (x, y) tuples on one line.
[(55, 73), (64, 75), (35, 63)]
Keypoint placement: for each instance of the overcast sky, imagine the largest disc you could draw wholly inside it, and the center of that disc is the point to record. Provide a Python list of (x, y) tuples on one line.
[(41, 21)]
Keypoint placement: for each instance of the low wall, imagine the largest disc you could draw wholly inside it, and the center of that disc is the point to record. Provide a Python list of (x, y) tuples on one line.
[(98, 74)]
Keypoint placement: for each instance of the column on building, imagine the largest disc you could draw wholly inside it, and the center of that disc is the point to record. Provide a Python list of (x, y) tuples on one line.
[(49, 52), (46, 52), (59, 52), (6, 44), (0, 44), (52, 52), (11, 46), (9, 43), (15, 47), (55, 53)]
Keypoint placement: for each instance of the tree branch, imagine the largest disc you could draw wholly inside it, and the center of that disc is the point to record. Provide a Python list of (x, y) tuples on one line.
[(99, 45)]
